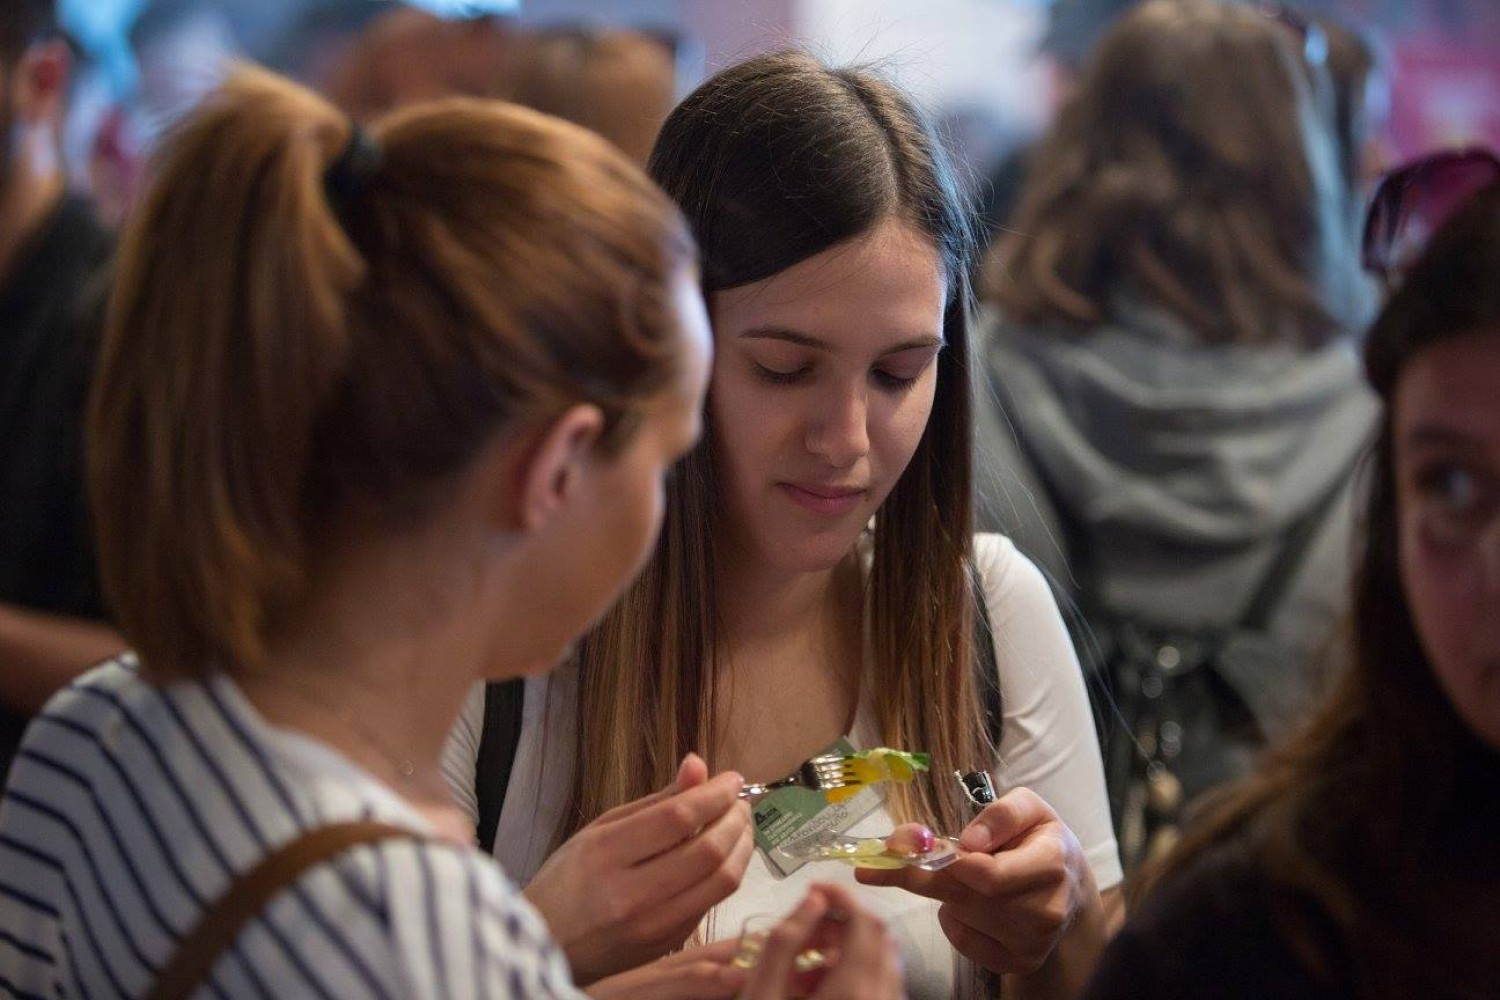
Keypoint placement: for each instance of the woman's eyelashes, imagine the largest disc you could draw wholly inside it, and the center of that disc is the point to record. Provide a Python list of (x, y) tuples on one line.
[(776, 376), (893, 381), (889, 379)]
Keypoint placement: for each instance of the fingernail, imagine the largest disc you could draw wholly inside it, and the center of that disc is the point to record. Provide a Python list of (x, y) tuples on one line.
[(976, 837), (739, 779)]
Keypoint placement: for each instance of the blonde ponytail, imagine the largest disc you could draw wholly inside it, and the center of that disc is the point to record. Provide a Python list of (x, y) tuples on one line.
[(260, 369)]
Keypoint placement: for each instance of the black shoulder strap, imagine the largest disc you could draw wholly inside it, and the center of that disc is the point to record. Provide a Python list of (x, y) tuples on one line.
[(498, 740), (985, 662), (1295, 544)]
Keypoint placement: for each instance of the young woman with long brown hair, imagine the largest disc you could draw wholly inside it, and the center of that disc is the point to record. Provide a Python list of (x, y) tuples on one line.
[(816, 575), (1360, 860), (377, 415)]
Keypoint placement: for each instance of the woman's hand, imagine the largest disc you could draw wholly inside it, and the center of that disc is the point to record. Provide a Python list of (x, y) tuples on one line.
[(633, 884), (694, 974), (863, 960), (1021, 886)]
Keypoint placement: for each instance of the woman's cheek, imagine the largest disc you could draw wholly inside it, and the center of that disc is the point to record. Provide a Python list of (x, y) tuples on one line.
[(1440, 575)]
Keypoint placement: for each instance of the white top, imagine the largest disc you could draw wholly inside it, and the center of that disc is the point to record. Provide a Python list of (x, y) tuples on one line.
[(130, 808), (1048, 744)]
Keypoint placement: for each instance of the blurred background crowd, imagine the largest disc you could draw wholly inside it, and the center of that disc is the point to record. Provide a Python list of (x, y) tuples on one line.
[(1420, 73), (1186, 224)]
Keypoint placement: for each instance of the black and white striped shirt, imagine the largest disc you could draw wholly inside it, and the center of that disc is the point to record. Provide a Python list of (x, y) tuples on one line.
[(131, 807)]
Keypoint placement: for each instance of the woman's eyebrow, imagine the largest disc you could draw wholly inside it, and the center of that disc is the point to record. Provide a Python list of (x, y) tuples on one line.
[(807, 340), (788, 335), (916, 343)]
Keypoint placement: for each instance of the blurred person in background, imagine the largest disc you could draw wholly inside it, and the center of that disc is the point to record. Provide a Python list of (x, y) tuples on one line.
[(618, 83), (407, 55), (1360, 860), (1177, 405), (1074, 28), (314, 43), (53, 262), (173, 53), (1359, 74)]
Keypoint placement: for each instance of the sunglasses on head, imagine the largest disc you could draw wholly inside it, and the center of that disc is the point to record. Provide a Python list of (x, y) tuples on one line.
[(1309, 33), (1412, 201)]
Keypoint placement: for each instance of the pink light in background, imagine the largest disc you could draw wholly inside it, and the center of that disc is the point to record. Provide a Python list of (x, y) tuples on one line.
[(1447, 93)]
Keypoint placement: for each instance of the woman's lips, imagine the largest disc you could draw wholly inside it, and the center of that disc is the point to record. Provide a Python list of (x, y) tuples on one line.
[(830, 501)]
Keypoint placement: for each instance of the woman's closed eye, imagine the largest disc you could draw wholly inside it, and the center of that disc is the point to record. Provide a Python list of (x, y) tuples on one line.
[(895, 373), (782, 375), (901, 372)]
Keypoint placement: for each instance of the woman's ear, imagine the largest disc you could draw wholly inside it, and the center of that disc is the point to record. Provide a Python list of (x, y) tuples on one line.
[(550, 474)]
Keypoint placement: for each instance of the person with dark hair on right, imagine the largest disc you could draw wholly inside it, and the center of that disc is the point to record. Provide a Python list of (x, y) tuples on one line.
[(53, 253), (1360, 861)]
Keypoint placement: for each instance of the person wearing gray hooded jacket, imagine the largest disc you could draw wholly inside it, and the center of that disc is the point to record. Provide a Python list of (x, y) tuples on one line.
[(1174, 389)]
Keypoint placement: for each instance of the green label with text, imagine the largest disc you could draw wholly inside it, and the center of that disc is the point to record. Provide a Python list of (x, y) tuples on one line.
[(788, 817)]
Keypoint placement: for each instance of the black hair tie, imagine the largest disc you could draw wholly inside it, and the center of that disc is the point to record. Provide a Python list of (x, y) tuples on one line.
[(347, 176)]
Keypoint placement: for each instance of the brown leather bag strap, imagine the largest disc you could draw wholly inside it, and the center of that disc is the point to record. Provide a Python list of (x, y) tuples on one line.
[(251, 893)]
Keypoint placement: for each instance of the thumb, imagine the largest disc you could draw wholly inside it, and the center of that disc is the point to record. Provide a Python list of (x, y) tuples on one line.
[(692, 771), (1005, 820)]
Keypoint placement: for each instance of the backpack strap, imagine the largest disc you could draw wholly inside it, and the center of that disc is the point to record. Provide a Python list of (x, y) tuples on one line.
[(251, 892), (1295, 544), (499, 737), (988, 667)]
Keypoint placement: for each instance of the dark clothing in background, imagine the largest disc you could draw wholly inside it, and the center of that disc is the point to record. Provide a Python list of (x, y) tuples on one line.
[(51, 305), (1207, 932)]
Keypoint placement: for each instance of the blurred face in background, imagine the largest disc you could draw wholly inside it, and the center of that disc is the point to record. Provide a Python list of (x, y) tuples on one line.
[(824, 382), (1446, 423)]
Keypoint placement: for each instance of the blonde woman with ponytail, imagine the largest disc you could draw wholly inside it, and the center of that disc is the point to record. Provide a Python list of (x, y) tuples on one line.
[(378, 415)]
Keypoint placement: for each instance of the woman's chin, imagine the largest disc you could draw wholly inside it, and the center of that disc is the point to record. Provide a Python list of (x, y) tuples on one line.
[(815, 553)]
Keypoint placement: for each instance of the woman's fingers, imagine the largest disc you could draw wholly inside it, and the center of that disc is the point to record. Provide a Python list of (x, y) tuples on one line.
[(974, 944), (1026, 869), (690, 773), (869, 964), (702, 973), (687, 887), (1005, 820), (774, 966), (662, 825)]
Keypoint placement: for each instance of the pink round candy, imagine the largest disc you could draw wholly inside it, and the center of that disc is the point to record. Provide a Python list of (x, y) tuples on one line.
[(910, 840)]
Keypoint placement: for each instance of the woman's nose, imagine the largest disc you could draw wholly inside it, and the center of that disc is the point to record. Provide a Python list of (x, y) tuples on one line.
[(839, 430)]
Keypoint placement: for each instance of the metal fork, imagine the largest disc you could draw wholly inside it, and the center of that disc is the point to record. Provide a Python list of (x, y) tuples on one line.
[(821, 774)]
